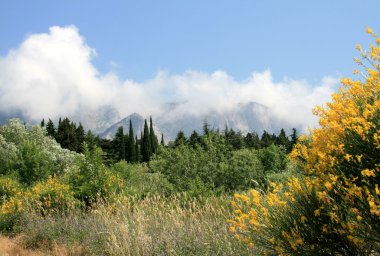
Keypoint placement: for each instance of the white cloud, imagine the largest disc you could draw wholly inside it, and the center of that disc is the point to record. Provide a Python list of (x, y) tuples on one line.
[(51, 75)]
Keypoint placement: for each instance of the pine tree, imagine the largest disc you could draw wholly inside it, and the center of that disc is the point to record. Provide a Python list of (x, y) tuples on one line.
[(195, 139), (293, 140), (90, 140), (180, 139), (252, 140), (80, 138), (266, 139), (66, 134), (153, 137), (50, 129), (206, 127), (131, 151), (119, 144), (146, 149), (282, 139), (43, 122)]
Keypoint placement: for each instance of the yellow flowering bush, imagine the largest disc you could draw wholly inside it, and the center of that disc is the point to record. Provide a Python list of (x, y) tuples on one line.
[(52, 196), (335, 208), (8, 188), (13, 205)]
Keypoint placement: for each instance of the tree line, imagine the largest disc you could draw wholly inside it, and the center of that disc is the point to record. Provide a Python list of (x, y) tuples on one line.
[(126, 145), (239, 141)]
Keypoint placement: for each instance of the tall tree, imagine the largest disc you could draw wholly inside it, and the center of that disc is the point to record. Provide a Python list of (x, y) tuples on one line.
[(50, 129), (146, 147), (66, 134), (206, 127), (252, 140), (282, 139), (119, 144), (131, 151), (180, 139), (195, 139), (162, 140), (153, 137), (80, 138), (266, 139), (89, 138), (43, 122), (137, 150), (293, 140)]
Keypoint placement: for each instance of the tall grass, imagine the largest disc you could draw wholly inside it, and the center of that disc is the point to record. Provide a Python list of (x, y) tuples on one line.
[(155, 225)]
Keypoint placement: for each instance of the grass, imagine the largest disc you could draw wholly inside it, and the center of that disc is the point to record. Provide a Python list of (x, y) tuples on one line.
[(155, 225)]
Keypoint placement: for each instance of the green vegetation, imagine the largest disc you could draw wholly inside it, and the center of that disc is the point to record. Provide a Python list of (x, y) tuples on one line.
[(175, 202)]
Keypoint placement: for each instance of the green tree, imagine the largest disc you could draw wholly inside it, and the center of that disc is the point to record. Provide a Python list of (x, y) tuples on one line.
[(153, 137), (50, 129), (66, 135), (146, 148), (162, 140), (282, 139), (80, 138), (180, 139), (43, 122), (119, 144), (131, 151), (293, 140)]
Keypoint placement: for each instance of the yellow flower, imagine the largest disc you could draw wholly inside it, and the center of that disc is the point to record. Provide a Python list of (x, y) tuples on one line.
[(369, 30)]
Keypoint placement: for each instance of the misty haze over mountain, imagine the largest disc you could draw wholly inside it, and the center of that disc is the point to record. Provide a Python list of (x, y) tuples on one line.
[(51, 75)]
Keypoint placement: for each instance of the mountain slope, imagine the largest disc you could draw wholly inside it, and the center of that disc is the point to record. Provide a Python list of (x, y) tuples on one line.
[(137, 124), (247, 117)]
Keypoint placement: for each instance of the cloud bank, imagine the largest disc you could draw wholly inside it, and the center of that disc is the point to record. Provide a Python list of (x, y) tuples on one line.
[(51, 75)]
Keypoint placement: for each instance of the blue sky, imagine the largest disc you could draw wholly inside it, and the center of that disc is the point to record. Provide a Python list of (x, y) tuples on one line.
[(297, 39), (213, 55)]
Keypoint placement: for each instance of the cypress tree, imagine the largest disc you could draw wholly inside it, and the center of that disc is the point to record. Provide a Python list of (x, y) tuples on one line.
[(293, 140), (137, 150), (146, 150), (43, 122), (162, 140), (153, 137), (131, 145)]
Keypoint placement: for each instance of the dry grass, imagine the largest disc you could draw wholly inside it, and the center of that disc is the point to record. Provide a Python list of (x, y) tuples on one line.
[(152, 226)]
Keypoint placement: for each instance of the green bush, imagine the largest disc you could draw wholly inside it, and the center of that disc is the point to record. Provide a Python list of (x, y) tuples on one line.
[(91, 180)]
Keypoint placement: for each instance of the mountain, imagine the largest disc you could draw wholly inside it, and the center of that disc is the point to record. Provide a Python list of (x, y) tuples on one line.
[(245, 117), (137, 124), (97, 120)]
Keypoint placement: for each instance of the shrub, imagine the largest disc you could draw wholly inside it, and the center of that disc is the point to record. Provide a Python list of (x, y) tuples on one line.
[(91, 180), (52, 196), (337, 210)]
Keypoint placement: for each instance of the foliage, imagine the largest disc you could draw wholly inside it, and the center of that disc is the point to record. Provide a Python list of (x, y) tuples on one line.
[(273, 158), (336, 209), (91, 180), (52, 196), (30, 155), (214, 166)]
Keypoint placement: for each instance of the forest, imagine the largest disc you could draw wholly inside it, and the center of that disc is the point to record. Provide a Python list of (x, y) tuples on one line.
[(65, 191)]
